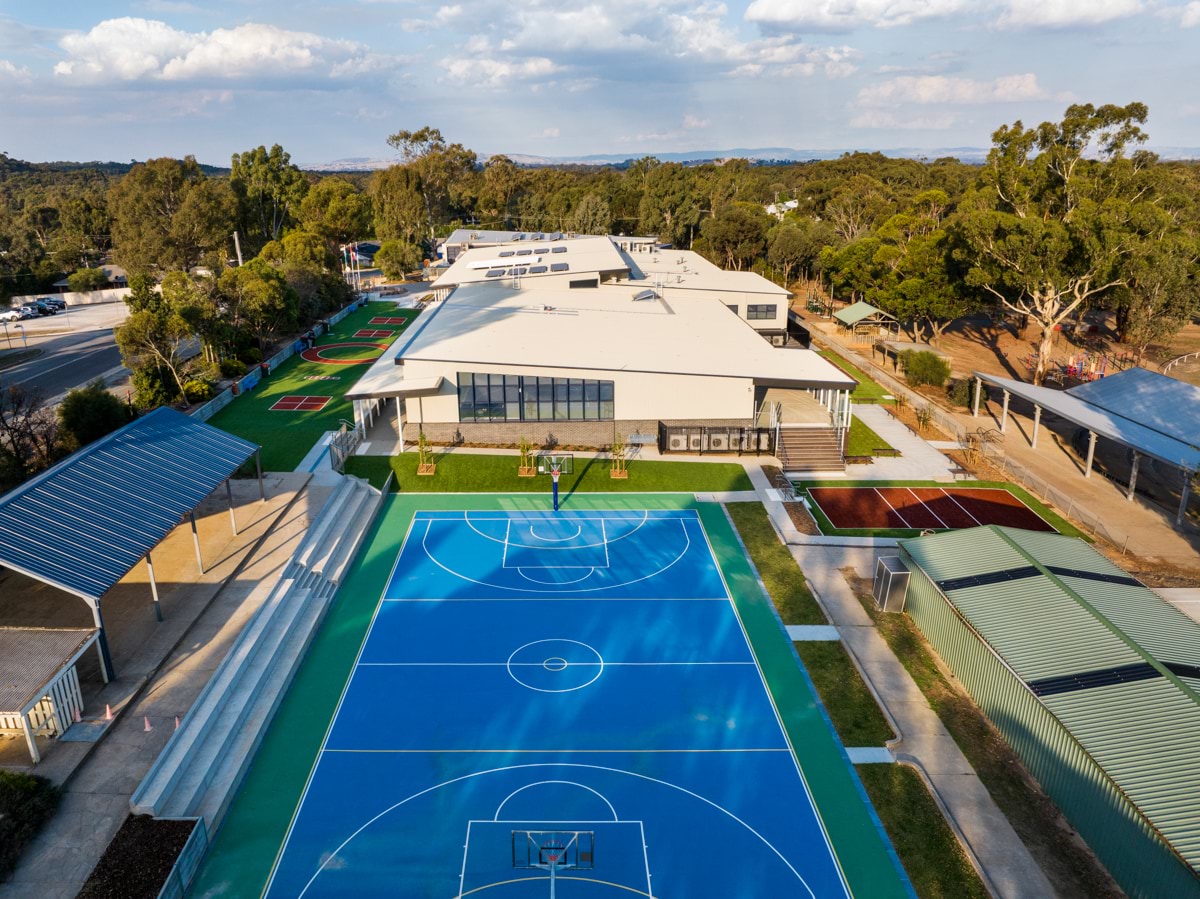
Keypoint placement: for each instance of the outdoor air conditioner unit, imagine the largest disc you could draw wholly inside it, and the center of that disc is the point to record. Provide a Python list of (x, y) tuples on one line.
[(718, 443), (891, 584), (695, 442), (735, 441), (677, 443)]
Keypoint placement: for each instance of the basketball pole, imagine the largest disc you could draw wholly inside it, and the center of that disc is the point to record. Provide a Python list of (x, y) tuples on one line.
[(554, 472)]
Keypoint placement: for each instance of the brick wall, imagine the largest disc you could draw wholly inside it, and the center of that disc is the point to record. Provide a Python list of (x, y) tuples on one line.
[(592, 434)]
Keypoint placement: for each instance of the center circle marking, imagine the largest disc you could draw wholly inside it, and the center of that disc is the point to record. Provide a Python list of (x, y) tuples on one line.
[(556, 665)]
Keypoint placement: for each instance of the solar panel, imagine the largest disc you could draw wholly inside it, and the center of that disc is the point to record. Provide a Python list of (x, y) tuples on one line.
[(494, 273), (558, 249), (520, 270), (524, 252), (538, 236), (557, 235), (559, 267), (538, 270), (542, 250), (507, 253)]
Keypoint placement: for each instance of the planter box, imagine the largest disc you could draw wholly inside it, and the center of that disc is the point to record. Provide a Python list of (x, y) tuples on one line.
[(427, 469), (619, 475), (523, 472)]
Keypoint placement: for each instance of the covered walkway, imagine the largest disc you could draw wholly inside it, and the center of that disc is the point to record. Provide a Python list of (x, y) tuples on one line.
[(83, 524)]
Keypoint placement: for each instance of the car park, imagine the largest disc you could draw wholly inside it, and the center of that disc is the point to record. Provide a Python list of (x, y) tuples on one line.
[(29, 311), (10, 315), (43, 308)]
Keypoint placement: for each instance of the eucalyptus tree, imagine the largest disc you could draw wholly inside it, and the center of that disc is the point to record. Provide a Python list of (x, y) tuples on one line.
[(269, 189), (438, 165)]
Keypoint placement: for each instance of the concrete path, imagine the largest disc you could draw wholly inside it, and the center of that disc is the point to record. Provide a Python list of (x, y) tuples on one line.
[(1185, 599), (1006, 865), (96, 798), (918, 461)]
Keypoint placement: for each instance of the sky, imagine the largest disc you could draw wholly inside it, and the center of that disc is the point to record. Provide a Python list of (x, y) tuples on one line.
[(99, 80)]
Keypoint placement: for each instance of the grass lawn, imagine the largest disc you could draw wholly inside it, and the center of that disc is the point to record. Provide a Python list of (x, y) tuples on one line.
[(286, 437), (855, 714), (464, 472), (776, 567), (862, 441), (1071, 867), (867, 390), (1055, 520), (936, 863), (27, 802)]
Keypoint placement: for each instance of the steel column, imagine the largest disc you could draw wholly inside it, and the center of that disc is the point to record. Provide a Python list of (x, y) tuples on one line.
[(153, 588), (1087, 471), (1037, 423), (196, 541), (978, 395), (106, 665), (1004, 414), (232, 513), (262, 490)]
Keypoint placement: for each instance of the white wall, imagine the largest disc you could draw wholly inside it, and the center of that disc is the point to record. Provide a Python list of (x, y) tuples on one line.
[(88, 298), (636, 395)]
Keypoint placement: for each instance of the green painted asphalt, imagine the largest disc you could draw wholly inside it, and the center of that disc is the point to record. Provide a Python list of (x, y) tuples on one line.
[(246, 846)]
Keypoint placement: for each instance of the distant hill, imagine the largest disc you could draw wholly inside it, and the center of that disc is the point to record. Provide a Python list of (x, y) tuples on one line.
[(761, 155)]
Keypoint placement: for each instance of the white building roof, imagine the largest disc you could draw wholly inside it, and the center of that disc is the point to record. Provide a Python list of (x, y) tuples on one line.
[(534, 260), (688, 270), (605, 329)]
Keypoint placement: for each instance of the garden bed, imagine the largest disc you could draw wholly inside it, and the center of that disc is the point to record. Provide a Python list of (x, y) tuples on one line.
[(137, 861)]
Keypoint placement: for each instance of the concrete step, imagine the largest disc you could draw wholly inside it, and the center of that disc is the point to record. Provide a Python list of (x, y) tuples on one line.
[(333, 566), (170, 767), (232, 766), (224, 726), (325, 525)]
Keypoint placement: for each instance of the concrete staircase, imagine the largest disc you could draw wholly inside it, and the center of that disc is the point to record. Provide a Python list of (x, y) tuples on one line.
[(810, 450), (200, 769)]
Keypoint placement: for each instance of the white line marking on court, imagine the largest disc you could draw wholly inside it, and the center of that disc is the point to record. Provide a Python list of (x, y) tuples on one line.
[(588, 573), (538, 664), (771, 698), (570, 783), (536, 536), (604, 537), (893, 508), (553, 598), (598, 665), (437, 749), (964, 508), (640, 523), (312, 772), (503, 552), (332, 855), (928, 508), (432, 558)]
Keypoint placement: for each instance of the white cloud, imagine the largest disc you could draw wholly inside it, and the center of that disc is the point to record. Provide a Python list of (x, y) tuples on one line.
[(848, 15), (550, 132), (131, 49), (1190, 17), (694, 123), (892, 121), (488, 72), (11, 72), (936, 89), (1064, 13)]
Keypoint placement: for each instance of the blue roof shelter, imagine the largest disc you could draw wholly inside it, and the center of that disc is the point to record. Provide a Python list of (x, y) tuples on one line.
[(85, 523)]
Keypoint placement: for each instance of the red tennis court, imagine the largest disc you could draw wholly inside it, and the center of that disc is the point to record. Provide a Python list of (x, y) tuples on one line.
[(300, 404), (388, 320), (369, 332), (921, 508)]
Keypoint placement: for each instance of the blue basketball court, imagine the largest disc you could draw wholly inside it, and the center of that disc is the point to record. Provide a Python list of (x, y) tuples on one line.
[(562, 694)]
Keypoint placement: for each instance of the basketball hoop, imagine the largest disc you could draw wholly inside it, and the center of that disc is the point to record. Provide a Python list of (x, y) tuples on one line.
[(554, 473)]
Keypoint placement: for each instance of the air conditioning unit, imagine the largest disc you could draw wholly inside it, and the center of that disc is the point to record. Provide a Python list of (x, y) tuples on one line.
[(677, 443), (718, 443), (891, 584), (735, 441), (695, 442)]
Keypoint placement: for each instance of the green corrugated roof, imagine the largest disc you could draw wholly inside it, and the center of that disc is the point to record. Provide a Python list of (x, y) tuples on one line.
[(852, 315), (1145, 733)]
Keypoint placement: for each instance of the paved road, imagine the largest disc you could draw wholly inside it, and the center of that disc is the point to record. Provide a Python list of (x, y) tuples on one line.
[(67, 361)]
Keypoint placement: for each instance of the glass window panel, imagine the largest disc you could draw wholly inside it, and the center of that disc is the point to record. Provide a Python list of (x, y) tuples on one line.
[(575, 397), (606, 390), (561, 407), (606, 410)]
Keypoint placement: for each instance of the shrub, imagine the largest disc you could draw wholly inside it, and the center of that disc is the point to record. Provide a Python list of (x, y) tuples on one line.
[(250, 355), (924, 368), (198, 390), (27, 802), (153, 387), (962, 392), (232, 368), (88, 413)]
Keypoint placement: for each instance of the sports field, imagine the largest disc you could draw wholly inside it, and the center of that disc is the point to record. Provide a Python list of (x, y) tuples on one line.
[(609, 679), (289, 410), (920, 508)]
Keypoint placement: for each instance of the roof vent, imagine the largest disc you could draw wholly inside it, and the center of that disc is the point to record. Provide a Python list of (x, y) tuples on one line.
[(644, 295)]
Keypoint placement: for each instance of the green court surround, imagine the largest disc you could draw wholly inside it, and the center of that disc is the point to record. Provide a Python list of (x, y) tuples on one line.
[(245, 847)]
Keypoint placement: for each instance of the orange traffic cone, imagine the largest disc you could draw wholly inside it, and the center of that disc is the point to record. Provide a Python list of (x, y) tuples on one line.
[(149, 727)]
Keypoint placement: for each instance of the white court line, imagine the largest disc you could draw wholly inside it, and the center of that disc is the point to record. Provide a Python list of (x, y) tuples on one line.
[(554, 598), (537, 664), (312, 772), (928, 508), (966, 510), (434, 750), (536, 536), (432, 558), (778, 717), (604, 537), (581, 578), (894, 509), (542, 783), (509, 519), (503, 553), (332, 855)]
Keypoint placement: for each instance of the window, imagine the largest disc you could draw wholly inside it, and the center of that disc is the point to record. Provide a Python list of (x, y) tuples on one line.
[(761, 313), (484, 397), (732, 307), (590, 282)]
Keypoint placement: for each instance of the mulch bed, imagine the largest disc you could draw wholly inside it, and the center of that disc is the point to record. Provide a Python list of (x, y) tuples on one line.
[(136, 863)]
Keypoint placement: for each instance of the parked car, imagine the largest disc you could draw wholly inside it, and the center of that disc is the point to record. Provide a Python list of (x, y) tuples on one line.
[(43, 308), (10, 315), (57, 302), (29, 311)]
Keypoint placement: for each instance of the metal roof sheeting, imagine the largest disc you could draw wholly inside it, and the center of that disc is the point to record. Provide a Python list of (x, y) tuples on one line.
[(84, 523), (1141, 437), (1143, 733), (856, 313), (1157, 401), (29, 659)]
